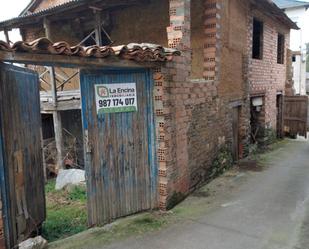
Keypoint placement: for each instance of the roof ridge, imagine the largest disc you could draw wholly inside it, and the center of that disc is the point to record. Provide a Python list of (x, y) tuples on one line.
[(29, 6), (283, 4), (141, 52)]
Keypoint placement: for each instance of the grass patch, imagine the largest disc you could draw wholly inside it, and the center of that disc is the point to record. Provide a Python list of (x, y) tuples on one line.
[(66, 212), (126, 227), (50, 186), (78, 194)]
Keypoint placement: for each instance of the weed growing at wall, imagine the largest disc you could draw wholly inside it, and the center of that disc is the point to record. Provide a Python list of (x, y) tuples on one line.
[(222, 162), (176, 198), (267, 137), (270, 136)]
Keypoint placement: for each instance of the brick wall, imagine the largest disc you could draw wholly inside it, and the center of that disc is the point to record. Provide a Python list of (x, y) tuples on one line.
[(192, 105), (32, 33), (267, 76), (197, 38), (194, 108), (148, 25)]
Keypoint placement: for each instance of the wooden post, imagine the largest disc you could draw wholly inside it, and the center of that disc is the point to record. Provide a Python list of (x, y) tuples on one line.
[(7, 38), (44, 161), (56, 114), (58, 139), (46, 24), (57, 120), (98, 22)]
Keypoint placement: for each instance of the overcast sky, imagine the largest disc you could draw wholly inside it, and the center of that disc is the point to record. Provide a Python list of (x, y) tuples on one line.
[(10, 9)]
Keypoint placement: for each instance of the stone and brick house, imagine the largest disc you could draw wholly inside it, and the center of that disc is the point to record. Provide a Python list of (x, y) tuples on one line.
[(233, 65)]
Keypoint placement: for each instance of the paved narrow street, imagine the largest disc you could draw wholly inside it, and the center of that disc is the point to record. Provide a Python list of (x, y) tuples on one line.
[(270, 210)]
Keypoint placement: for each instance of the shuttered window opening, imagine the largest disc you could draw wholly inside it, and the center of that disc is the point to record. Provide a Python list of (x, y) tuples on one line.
[(257, 39), (280, 49)]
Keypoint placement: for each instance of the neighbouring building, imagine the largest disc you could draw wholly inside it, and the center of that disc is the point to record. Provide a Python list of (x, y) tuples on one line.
[(307, 83), (299, 13), (268, 65), (223, 91)]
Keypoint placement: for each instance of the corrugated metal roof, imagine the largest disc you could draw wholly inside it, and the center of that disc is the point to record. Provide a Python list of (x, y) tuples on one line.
[(144, 52), (285, 4), (34, 3), (29, 6)]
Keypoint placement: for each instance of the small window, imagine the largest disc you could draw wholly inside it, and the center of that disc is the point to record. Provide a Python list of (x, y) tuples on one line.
[(257, 39), (293, 58), (280, 51)]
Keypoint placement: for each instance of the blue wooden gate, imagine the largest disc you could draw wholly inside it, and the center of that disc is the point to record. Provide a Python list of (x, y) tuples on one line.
[(120, 156), (21, 168)]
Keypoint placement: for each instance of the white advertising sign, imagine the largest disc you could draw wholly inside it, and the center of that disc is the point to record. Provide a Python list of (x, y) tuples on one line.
[(115, 98)]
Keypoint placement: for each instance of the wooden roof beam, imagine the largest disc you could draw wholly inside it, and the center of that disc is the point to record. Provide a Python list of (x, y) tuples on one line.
[(72, 61)]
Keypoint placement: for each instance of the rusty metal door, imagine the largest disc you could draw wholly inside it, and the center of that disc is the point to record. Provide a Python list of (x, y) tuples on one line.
[(120, 156), (21, 170), (295, 115)]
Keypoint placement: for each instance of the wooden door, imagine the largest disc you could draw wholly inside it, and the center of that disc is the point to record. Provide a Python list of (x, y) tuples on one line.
[(295, 115), (279, 104), (120, 166), (21, 167), (235, 127)]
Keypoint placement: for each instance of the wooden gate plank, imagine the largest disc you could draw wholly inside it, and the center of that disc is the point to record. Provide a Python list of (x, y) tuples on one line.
[(22, 155), (121, 168), (295, 115)]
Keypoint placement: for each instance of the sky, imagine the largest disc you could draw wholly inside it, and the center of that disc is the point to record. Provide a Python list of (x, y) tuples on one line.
[(10, 9)]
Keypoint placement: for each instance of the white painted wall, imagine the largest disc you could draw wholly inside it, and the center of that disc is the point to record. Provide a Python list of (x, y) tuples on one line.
[(298, 41), (299, 75)]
